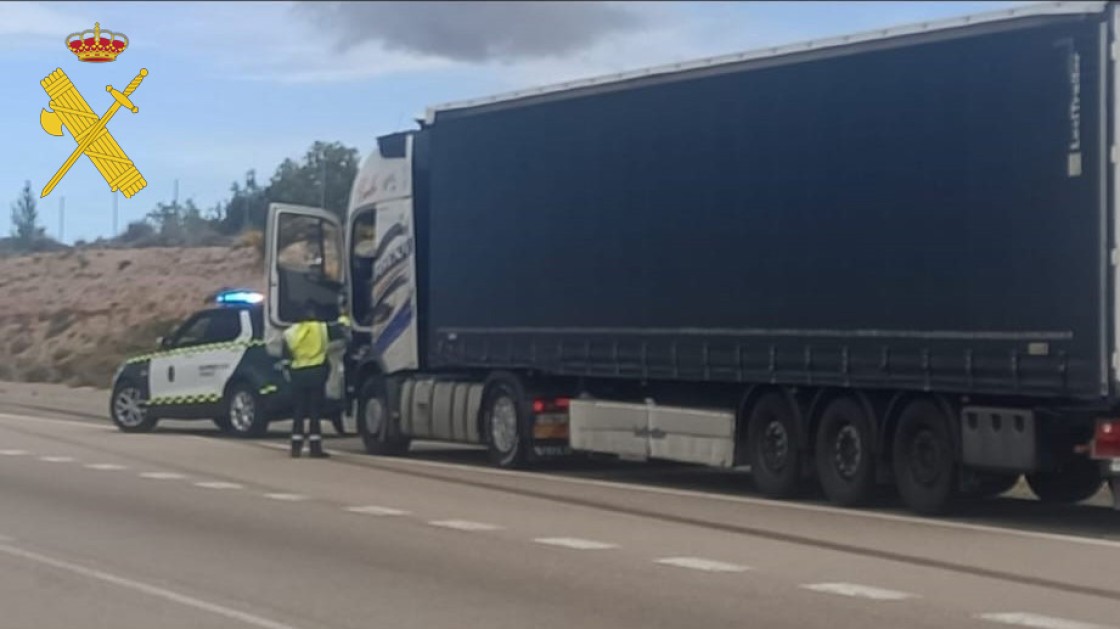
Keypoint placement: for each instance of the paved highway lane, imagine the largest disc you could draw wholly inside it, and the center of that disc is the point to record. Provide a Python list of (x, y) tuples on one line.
[(177, 528)]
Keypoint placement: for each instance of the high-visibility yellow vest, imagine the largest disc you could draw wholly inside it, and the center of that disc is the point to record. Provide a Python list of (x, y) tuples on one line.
[(307, 341)]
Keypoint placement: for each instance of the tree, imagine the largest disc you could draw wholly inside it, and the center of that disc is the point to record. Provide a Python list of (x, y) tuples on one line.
[(25, 218), (246, 208), (322, 179)]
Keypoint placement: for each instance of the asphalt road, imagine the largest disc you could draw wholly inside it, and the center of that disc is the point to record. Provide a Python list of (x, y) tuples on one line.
[(182, 528)]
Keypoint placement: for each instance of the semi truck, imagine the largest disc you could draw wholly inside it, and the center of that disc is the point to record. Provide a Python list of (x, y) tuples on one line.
[(887, 258)]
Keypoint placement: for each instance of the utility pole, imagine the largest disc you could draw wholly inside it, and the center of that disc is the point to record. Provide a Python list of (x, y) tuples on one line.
[(323, 184), (61, 219), (115, 232), (175, 201)]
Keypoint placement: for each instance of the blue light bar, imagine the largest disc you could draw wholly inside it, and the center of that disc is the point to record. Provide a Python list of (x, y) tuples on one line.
[(239, 297)]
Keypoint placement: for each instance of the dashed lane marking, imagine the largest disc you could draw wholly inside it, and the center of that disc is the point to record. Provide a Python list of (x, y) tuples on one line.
[(286, 497), (162, 475), (398, 464), (699, 563), (56, 420), (574, 543), (106, 466), (219, 485), (856, 590), (146, 588), (1023, 619), (374, 510), (464, 525), (57, 459), (13, 452)]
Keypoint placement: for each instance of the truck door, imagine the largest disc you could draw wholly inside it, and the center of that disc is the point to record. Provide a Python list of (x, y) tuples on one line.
[(305, 262)]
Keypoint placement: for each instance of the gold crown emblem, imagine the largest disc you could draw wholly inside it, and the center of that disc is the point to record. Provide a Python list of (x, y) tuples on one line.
[(96, 46)]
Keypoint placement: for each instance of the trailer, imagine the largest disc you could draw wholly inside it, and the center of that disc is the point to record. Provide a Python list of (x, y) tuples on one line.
[(882, 258)]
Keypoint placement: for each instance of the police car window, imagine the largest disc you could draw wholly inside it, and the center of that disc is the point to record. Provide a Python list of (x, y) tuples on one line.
[(256, 316), (225, 327), (193, 331)]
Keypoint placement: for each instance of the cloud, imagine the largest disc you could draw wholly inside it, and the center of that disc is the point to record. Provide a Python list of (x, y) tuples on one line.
[(26, 24), (474, 31)]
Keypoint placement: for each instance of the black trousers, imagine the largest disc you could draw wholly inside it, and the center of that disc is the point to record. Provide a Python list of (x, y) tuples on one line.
[(308, 393)]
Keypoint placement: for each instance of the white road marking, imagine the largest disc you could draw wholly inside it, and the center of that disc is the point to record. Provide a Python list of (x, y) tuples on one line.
[(151, 590), (106, 466), (464, 525), (57, 459), (286, 497), (374, 510), (162, 475), (858, 591), (575, 543), (1023, 619), (761, 502), (217, 484), (698, 563), (13, 452)]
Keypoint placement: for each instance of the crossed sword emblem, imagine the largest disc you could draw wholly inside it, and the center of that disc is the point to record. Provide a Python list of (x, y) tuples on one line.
[(71, 111)]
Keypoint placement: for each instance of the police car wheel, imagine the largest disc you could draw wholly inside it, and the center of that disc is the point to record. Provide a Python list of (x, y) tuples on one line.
[(378, 435), (243, 415), (127, 410)]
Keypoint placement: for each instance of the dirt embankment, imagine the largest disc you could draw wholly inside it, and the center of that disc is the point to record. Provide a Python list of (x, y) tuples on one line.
[(70, 317)]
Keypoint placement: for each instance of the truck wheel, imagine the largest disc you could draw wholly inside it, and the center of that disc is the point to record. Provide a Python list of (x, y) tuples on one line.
[(1077, 480), (987, 484), (503, 422), (845, 453), (243, 416), (380, 434), (922, 455), (127, 410), (772, 447)]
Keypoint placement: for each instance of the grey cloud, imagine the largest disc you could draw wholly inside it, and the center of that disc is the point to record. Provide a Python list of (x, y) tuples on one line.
[(474, 31)]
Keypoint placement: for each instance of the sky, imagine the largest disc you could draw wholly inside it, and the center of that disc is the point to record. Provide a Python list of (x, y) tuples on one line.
[(234, 87)]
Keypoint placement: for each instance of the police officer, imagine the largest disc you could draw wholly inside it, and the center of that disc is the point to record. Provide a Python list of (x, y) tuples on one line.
[(306, 345)]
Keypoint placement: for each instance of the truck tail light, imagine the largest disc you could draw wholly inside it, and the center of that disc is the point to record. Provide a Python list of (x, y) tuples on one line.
[(1106, 440), (551, 405), (551, 421)]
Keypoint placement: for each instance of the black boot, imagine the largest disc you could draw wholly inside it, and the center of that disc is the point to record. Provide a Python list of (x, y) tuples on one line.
[(317, 448), (297, 446)]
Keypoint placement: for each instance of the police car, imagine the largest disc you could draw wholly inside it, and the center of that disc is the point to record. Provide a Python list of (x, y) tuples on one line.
[(213, 366)]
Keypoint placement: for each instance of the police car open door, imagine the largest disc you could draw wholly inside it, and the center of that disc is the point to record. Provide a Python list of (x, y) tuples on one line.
[(305, 264)]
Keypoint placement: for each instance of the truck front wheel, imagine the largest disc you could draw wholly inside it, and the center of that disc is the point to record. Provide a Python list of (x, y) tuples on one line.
[(379, 431), (1077, 480), (504, 417)]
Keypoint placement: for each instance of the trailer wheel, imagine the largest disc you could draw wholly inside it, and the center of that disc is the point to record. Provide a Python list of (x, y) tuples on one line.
[(380, 434), (924, 467), (845, 453), (772, 447), (504, 418), (1077, 480)]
